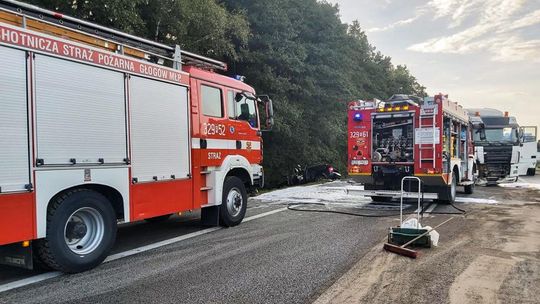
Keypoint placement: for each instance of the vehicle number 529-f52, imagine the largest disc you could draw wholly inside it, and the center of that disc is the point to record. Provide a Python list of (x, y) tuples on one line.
[(213, 129)]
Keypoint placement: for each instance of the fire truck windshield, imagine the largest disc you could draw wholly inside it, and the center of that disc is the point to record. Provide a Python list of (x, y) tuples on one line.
[(498, 135)]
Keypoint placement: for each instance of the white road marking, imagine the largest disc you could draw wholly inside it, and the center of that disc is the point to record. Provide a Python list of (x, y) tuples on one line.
[(49, 275), (30, 280), (251, 218), (137, 250), (431, 208)]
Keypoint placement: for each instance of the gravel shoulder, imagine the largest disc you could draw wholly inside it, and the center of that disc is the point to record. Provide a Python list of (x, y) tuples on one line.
[(489, 255)]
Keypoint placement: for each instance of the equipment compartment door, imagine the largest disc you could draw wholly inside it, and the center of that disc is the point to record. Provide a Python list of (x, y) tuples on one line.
[(80, 113), (14, 158), (159, 130)]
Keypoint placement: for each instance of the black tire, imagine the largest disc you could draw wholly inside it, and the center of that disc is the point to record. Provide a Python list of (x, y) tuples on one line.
[(55, 252), (381, 199), (158, 219), (38, 264), (234, 202), (531, 171), (450, 191), (469, 189)]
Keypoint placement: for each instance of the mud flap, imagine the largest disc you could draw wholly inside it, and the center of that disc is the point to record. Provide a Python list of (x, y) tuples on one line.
[(16, 255), (210, 216)]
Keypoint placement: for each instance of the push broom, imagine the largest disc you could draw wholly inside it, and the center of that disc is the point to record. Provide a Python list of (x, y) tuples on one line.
[(401, 250)]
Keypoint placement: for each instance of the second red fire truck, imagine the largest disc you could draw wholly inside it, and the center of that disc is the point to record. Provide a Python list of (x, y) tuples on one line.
[(429, 138), (99, 127)]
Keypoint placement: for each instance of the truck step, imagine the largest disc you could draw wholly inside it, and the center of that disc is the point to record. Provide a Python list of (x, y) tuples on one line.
[(206, 188)]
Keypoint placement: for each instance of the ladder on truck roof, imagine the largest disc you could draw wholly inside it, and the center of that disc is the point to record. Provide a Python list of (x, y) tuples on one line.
[(50, 22)]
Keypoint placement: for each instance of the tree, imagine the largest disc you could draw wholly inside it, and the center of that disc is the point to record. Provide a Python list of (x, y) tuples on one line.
[(298, 51), (202, 26), (312, 64)]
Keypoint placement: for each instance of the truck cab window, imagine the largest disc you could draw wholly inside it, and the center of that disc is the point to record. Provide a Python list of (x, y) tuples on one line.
[(246, 110), (211, 101)]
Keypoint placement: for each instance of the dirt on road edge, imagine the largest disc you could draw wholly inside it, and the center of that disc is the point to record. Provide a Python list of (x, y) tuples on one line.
[(489, 255)]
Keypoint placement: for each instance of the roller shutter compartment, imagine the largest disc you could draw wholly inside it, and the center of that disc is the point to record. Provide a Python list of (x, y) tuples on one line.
[(80, 113), (14, 144), (159, 130)]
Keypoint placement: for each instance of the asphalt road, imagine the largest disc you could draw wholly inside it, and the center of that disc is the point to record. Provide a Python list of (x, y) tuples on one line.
[(285, 257)]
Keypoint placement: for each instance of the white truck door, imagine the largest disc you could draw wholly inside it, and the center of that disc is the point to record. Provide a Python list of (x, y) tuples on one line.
[(529, 149)]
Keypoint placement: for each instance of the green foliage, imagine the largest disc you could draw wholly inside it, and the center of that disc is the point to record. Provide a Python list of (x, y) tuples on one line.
[(120, 14), (201, 26), (301, 54), (297, 51)]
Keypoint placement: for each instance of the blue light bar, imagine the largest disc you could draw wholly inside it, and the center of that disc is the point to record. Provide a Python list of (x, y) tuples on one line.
[(239, 78)]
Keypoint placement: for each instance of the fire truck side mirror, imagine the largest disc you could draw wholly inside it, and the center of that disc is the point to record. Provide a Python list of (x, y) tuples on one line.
[(520, 135), (264, 100), (269, 111), (482, 133)]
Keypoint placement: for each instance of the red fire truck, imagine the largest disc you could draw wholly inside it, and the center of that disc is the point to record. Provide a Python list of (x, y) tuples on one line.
[(99, 127), (429, 138)]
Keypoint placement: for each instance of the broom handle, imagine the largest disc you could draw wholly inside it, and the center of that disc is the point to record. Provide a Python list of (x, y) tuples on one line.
[(421, 235)]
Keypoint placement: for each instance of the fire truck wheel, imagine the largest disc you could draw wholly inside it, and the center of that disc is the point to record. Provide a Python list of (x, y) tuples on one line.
[(158, 219), (469, 189), (234, 202), (453, 189), (531, 171), (81, 230), (450, 193)]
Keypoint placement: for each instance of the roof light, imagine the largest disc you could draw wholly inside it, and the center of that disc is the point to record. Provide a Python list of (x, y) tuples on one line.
[(239, 78), (357, 116)]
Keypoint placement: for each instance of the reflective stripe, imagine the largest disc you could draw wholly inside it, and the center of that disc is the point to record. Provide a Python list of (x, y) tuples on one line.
[(224, 144)]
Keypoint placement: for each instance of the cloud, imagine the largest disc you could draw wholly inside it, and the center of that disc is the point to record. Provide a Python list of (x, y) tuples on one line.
[(515, 49), (495, 30), (457, 10), (528, 20), (394, 25)]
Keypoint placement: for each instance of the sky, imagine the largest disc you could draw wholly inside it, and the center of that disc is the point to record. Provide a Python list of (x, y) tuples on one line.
[(483, 53)]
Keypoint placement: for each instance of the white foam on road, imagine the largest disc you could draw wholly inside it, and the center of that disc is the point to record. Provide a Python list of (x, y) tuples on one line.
[(521, 185), (474, 200), (336, 193), (333, 192), (49, 275)]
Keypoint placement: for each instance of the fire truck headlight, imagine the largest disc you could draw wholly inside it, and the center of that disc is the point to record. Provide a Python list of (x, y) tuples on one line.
[(357, 117)]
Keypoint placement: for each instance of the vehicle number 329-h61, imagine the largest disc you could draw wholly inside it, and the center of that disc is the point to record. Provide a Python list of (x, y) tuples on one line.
[(213, 129), (358, 134)]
